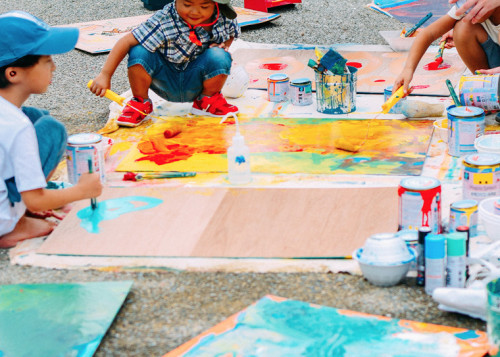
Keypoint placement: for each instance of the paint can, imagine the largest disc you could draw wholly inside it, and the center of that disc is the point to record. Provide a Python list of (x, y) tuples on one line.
[(481, 176), (463, 213), (410, 237), (420, 203), (465, 124), (481, 90), (301, 91), (278, 86), (336, 94), (396, 109), (80, 148)]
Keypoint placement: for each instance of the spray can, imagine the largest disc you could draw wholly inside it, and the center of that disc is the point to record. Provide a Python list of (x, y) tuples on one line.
[(455, 260), (434, 262), (422, 233), (238, 161), (466, 230)]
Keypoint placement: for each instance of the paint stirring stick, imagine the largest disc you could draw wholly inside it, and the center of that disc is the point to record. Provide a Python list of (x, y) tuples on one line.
[(93, 201), (452, 93), (420, 23)]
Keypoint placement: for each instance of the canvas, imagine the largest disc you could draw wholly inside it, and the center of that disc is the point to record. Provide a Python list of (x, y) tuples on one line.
[(275, 326), (57, 319), (411, 11), (287, 145)]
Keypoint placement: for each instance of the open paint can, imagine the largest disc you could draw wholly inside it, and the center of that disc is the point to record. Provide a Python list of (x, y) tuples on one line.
[(464, 213), (420, 203), (465, 124), (80, 149), (301, 91), (481, 176), (481, 90), (278, 86), (336, 93)]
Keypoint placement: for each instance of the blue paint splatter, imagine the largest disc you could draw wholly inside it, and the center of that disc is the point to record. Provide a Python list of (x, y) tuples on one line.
[(467, 335), (240, 159), (113, 208)]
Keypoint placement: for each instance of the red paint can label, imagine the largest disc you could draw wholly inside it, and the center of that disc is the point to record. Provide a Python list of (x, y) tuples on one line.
[(420, 204)]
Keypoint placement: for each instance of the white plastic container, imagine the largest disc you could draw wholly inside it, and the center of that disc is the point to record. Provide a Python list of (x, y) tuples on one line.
[(238, 161), (396, 42), (490, 221), (488, 144)]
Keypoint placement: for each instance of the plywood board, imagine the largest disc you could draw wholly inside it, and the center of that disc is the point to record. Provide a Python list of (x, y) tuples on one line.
[(288, 145), (275, 326), (233, 222), (377, 70), (101, 35)]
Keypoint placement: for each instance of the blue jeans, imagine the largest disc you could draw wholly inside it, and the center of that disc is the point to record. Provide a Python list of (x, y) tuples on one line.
[(492, 51), (180, 85), (52, 138)]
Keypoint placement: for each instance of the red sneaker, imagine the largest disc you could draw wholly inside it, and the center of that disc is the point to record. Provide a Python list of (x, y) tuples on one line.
[(214, 106), (135, 111)]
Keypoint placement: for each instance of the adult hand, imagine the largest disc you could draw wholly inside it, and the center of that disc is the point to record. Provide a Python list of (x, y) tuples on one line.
[(479, 9)]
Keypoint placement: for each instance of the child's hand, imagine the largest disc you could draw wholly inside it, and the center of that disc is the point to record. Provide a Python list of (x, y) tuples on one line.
[(90, 185), (489, 71), (448, 37), (404, 80), (100, 84), (220, 45)]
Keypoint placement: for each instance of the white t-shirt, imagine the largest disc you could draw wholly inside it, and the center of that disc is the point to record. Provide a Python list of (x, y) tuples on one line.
[(19, 158), (490, 28)]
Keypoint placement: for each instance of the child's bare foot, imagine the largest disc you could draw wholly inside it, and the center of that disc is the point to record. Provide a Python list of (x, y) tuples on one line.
[(26, 228)]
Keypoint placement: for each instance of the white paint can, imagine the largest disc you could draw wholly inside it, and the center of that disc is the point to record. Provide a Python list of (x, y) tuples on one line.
[(80, 149)]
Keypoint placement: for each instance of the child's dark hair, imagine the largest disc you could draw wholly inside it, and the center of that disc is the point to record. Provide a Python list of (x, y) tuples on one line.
[(26, 61)]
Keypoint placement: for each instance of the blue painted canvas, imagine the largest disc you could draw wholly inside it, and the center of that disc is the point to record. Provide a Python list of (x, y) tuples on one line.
[(57, 319), (411, 11)]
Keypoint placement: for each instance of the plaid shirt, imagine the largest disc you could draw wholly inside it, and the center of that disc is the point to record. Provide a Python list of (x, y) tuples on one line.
[(167, 32)]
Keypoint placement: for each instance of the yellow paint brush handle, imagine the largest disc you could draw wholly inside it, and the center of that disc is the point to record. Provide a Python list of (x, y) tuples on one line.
[(110, 94), (393, 99)]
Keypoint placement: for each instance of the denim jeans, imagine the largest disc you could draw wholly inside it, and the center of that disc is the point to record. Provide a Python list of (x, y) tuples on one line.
[(180, 85)]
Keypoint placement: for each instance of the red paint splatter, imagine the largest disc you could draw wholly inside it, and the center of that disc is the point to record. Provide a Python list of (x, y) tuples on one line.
[(379, 80), (422, 86), (273, 66), (354, 64), (253, 80), (434, 66)]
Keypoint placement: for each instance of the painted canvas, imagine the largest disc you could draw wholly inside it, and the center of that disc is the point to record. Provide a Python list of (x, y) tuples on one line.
[(287, 145), (411, 11), (275, 326), (57, 319), (376, 69), (101, 35)]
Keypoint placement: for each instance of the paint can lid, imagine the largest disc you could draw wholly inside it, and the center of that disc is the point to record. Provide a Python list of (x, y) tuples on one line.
[(455, 244), (278, 77), (434, 246), (465, 111), (300, 81), (84, 139), (488, 143), (464, 204), (482, 159), (419, 183)]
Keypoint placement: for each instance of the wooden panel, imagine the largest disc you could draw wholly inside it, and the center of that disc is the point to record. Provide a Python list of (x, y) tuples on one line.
[(377, 69), (235, 222)]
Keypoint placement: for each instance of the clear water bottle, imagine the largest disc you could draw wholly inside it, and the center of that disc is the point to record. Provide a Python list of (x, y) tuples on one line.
[(238, 161)]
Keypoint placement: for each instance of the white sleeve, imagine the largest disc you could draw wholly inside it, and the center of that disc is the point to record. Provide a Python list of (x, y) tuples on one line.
[(26, 160)]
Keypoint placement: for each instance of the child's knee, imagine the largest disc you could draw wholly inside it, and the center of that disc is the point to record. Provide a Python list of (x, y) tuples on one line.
[(220, 57)]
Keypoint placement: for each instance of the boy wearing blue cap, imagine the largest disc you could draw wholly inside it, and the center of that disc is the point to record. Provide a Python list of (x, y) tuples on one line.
[(31, 142), (181, 54)]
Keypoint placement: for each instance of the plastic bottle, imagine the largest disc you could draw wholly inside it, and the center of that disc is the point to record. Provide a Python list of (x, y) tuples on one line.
[(455, 261), (434, 262), (422, 233), (238, 161)]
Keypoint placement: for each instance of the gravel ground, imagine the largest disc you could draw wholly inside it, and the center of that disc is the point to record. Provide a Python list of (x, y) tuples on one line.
[(165, 309)]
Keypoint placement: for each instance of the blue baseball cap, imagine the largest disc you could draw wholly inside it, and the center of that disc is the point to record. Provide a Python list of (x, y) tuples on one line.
[(24, 34)]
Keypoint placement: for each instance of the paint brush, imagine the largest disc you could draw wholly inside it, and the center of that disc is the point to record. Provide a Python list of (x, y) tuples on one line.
[(394, 98), (110, 94), (452, 93), (137, 176), (434, 65), (93, 201), (418, 24)]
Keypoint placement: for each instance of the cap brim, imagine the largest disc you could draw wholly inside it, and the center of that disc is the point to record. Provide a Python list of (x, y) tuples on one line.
[(59, 40), (228, 11)]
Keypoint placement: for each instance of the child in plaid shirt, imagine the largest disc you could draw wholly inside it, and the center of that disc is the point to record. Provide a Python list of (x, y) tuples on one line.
[(181, 54)]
